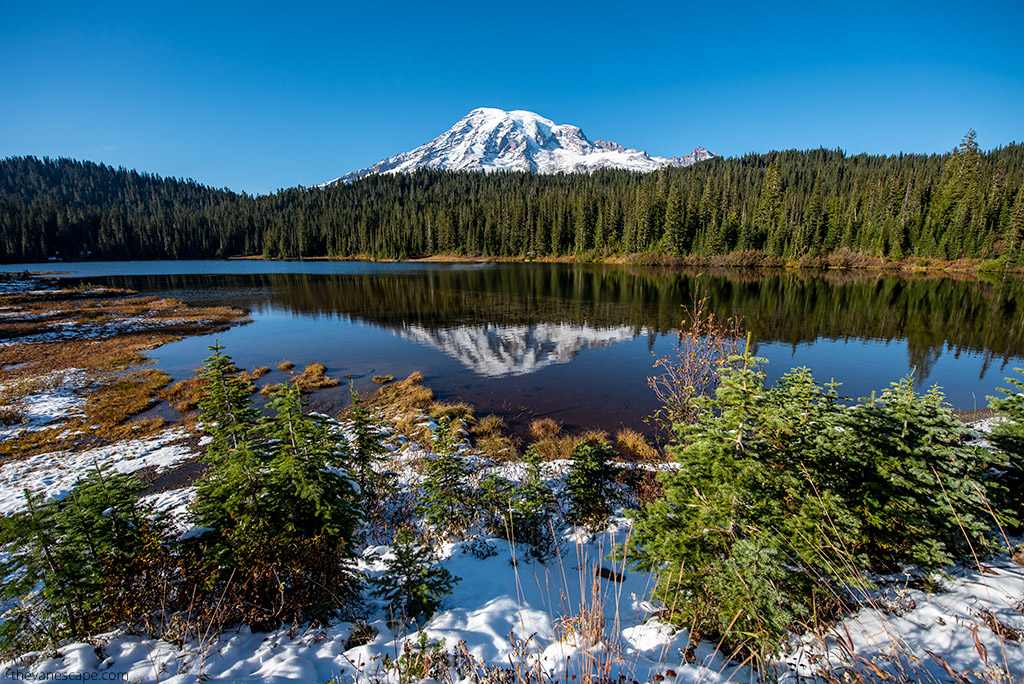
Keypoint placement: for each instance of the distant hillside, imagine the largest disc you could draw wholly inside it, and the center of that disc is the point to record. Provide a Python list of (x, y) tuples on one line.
[(967, 203)]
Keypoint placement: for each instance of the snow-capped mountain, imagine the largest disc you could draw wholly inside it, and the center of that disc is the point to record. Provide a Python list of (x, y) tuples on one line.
[(489, 139)]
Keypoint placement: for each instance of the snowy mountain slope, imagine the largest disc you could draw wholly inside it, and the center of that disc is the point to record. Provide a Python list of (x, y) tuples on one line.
[(490, 139)]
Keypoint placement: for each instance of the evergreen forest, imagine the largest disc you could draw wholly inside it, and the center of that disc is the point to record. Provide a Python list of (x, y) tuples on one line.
[(967, 203)]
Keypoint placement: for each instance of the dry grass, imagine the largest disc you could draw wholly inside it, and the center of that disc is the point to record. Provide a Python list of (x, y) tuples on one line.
[(128, 395), (491, 436), (314, 377), (106, 416), (404, 396), (259, 371), (415, 426), (452, 411), (11, 415), (103, 335), (184, 395), (545, 428), (633, 445), (556, 448), (383, 379), (285, 366)]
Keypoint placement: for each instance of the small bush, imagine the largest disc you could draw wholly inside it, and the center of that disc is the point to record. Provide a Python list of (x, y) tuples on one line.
[(446, 504), (412, 583), (785, 496), (589, 484), (95, 561), (1008, 437), (522, 512)]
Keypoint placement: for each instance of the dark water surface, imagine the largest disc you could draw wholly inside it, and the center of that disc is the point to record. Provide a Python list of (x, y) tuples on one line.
[(576, 342)]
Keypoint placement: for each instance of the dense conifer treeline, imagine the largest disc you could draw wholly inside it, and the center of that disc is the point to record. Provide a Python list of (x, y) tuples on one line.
[(967, 203)]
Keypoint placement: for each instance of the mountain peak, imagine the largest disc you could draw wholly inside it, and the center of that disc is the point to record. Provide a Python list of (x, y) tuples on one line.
[(491, 139)]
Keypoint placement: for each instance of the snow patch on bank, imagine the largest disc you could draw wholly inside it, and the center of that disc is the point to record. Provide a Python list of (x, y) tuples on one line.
[(54, 474)]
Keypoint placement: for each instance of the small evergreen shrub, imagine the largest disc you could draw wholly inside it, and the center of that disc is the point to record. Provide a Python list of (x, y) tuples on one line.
[(279, 511), (522, 512), (784, 497), (94, 561), (589, 484), (413, 585), (1008, 437), (446, 504), (365, 448)]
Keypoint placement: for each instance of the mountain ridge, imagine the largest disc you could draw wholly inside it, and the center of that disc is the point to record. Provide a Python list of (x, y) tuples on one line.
[(489, 139)]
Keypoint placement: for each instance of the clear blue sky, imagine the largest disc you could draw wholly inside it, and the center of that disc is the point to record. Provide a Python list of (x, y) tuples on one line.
[(257, 97)]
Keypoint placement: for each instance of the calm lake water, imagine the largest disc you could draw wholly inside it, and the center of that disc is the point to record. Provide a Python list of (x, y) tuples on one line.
[(576, 342)]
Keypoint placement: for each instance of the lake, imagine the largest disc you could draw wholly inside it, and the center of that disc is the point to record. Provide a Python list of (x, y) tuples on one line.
[(576, 342)]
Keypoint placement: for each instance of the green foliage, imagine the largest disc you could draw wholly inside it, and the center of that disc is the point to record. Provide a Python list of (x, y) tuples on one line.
[(782, 204), (280, 513), (420, 659), (413, 585), (446, 504), (96, 560), (366, 448), (589, 484), (521, 513), (784, 497), (1008, 437)]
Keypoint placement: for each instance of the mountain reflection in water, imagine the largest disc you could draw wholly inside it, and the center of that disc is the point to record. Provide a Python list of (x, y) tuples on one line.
[(551, 336), (494, 351)]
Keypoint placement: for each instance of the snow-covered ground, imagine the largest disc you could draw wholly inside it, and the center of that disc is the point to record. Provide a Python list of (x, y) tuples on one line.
[(557, 619)]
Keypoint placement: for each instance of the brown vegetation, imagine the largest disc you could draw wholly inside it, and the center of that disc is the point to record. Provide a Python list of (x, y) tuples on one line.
[(404, 395), (545, 428), (634, 445), (491, 436), (314, 377), (102, 334)]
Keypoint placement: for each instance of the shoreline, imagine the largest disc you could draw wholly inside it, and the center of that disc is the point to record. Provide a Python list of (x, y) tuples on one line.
[(841, 262)]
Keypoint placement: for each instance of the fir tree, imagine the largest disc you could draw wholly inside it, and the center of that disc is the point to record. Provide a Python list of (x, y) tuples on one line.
[(588, 485), (94, 561), (280, 513), (365, 448), (445, 503), (413, 585), (783, 497)]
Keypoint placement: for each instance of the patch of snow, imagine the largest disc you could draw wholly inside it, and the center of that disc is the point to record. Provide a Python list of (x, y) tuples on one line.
[(54, 474)]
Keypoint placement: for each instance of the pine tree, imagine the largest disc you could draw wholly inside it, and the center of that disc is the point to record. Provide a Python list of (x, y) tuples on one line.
[(1008, 437), (413, 585), (589, 484), (366, 448), (445, 502)]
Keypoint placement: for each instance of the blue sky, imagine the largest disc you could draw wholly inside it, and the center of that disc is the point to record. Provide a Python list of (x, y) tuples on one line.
[(257, 97)]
